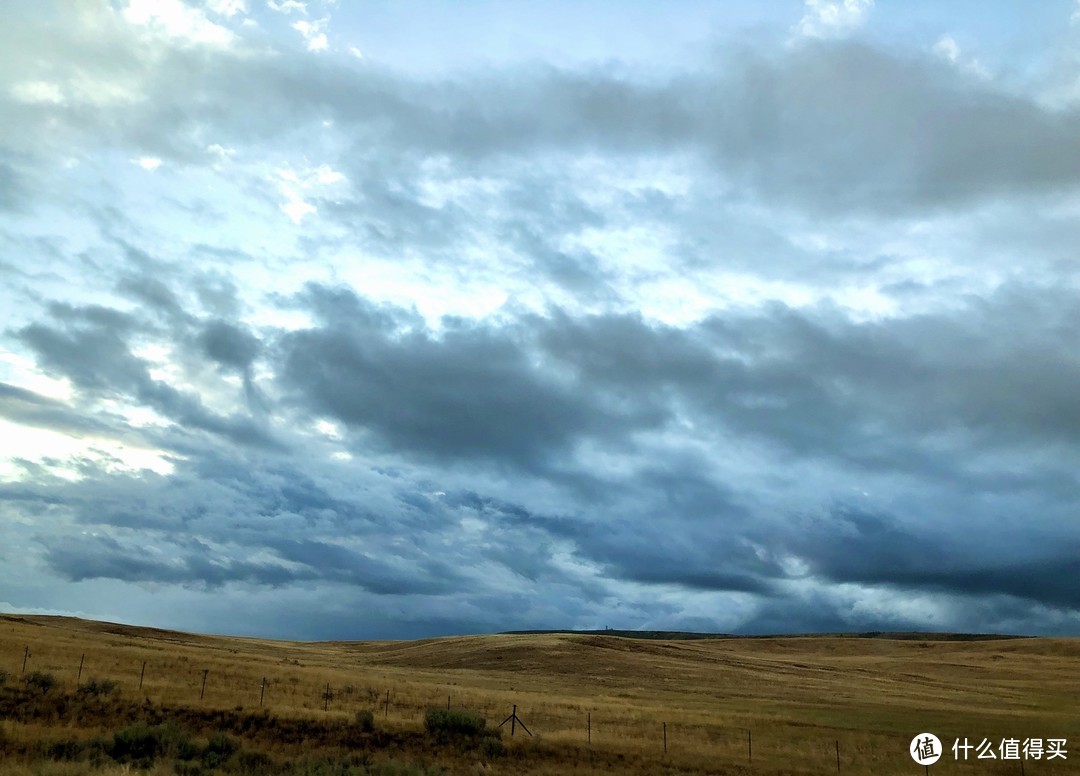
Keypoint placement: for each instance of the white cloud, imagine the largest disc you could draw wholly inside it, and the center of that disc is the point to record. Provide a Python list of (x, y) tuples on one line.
[(176, 21), (313, 34), (832, 18), (227, 8), (296, 208), (220, 153), (40, 92), (287, 6), (293, 184), (149, 163), (949, 50), (356, 52)]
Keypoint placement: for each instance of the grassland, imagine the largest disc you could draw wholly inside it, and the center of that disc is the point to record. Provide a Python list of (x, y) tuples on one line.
[(797, 696)]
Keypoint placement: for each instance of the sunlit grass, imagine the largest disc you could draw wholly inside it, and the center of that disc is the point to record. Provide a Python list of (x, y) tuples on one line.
[(797, 697)]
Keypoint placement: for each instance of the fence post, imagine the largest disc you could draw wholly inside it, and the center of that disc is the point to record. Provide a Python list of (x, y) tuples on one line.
[(326, 698), (838, 755), (665, 738), (750, 747), (78, 679), (262, 691), (588, 726), (448, 703), (142, 674), (202, 692), (386, 711), (25, 655)]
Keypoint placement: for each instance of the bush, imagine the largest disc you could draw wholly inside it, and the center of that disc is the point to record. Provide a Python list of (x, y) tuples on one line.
[(141, 744), (68, 750), (449, 724), (3, 677), (365, 720), (41, 681), (96, 688), (491, 745), (218, 749), (253, 764)]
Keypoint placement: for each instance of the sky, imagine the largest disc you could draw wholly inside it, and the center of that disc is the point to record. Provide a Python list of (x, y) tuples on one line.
[(408, 318)]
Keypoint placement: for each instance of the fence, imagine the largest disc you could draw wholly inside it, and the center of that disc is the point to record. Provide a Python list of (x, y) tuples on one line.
[(294, 688)]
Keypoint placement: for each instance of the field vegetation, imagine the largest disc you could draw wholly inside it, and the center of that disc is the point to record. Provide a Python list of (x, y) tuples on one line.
[(595, 703)]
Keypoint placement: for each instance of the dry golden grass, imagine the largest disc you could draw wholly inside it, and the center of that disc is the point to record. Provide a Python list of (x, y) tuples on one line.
[(798, 696)]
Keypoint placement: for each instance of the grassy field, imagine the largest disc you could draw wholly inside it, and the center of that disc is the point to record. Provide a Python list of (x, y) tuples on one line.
[(794, 698)]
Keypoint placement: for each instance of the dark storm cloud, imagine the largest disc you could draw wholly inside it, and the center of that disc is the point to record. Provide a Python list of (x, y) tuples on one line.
[(32, 409), (810, 381), (154, 295), (813, 380), (229, 345), (340, 564), (472, 391), (90, 346), (105, 558), (874, 549)]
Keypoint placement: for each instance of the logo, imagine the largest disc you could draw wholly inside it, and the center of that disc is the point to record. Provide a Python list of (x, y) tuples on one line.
[(925, 749)]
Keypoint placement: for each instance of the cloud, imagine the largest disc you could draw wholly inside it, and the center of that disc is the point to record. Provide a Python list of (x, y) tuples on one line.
[(755, 343), (830, 18), (178, 21), (229, 345), (227, 8), (287, 6), (313, 33), (473, 391), (38, 92), (90, 346)]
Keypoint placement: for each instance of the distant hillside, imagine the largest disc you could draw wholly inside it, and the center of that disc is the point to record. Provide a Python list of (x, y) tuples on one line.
[(691, 635)]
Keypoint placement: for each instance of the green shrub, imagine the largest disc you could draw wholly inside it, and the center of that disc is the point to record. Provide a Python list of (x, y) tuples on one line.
[(67, 750), (218, 749), (141, 744), (253, 764), (491, 745), (365, 720), (96, 688), (451, 724), (40, 681)]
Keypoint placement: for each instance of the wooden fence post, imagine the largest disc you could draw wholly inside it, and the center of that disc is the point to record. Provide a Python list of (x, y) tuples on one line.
[(838, 755), (326, 698), (588, 726), (202, 692), (262, 691), (386, 712), (25, 655), (665, 738), (142, 674), (78, 679), (750, 747)]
